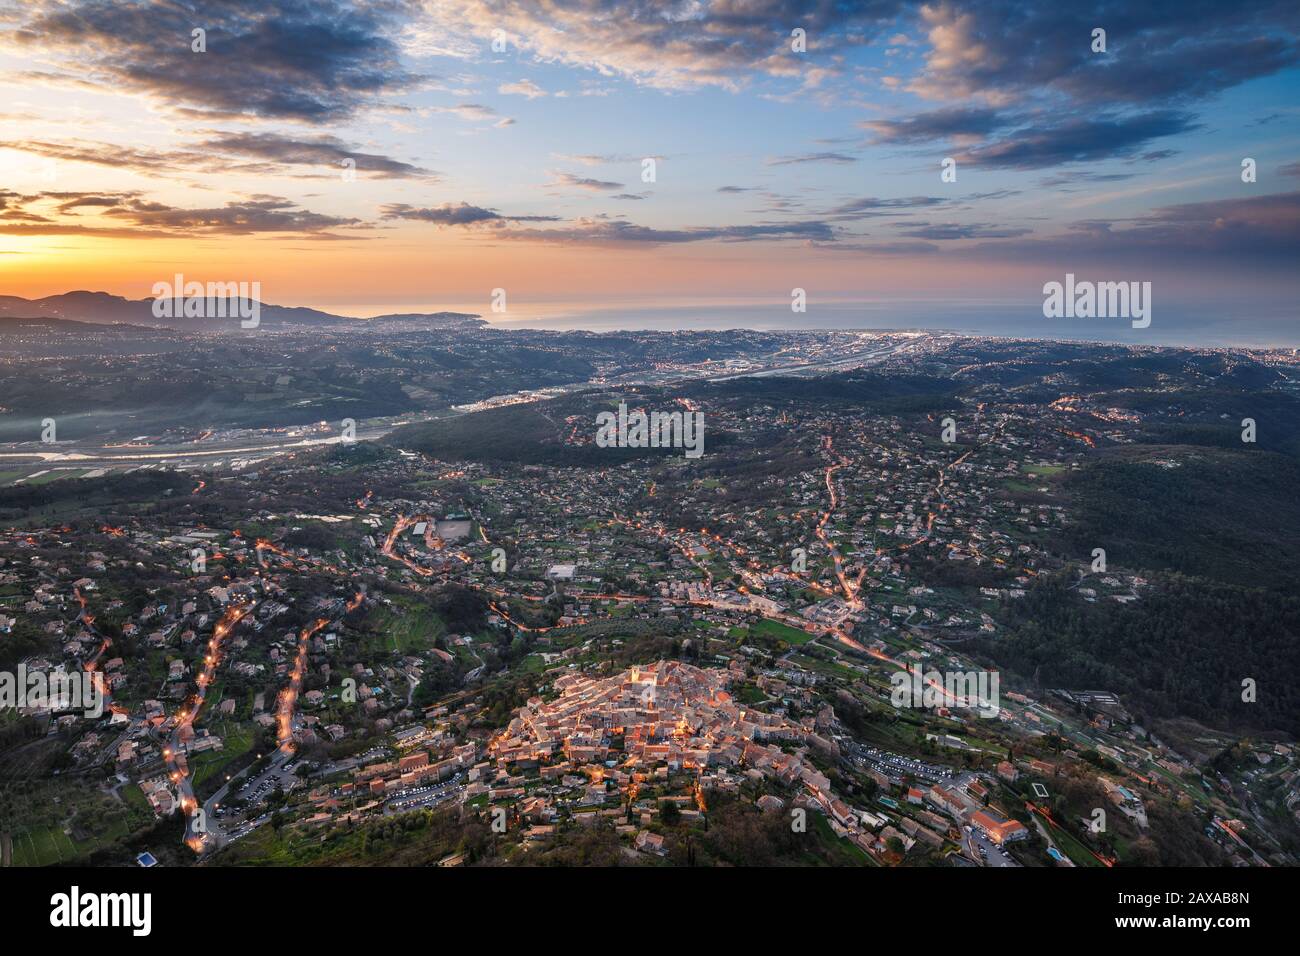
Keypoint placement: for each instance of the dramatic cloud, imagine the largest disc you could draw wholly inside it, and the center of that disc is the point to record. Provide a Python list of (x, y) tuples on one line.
[(318, 151), (311, 60), (600, 230), (957, 123), (11, 208), (999, 139), (620, 231), (1004, 51), (871, 207), (1077, 140), (130, 215), (148, 162), (677, 43), (70, 202), (570, 181), (226, 152), (1264, 226), (1012, 86), (236, 218), (455, 214), (1237, 235), (1018, 66)]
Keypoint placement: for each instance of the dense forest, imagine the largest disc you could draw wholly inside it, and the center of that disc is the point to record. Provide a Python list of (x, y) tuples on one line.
[(876, 392), (1184, 649), (19, 501), (536, 434), (1229, 515)]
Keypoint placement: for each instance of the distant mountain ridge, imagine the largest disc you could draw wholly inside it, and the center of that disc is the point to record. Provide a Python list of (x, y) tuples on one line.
[(103, 308)]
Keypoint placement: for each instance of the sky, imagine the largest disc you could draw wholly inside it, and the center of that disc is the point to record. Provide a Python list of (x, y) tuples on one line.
[(398, 156)]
